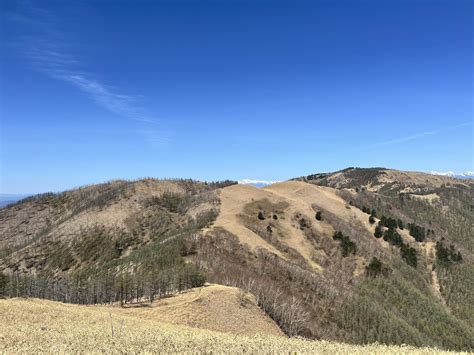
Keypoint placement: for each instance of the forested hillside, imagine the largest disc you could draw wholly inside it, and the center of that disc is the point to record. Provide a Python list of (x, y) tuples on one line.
[(115, 241), (436, 209)]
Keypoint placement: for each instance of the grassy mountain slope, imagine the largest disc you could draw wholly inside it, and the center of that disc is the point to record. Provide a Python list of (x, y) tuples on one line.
[(47, 326), (213, 307)]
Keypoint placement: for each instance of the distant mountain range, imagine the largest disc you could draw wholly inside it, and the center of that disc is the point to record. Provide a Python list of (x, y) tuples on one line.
[(257, 183), (7, 199), (451, 174), (466, 175)]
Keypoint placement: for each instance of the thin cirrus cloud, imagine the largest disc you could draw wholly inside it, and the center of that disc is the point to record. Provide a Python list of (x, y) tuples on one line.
[(417, 136), (48, 58), (404, 139), (45, 49)]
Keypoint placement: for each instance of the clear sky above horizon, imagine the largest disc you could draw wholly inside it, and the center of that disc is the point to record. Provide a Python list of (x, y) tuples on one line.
[(98, 90)]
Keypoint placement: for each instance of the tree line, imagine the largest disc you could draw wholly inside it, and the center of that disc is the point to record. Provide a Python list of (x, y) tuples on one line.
[(104, 288)]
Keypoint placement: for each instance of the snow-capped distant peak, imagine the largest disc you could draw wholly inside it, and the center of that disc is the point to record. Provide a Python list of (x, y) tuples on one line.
[(258, 183), (465, 175)]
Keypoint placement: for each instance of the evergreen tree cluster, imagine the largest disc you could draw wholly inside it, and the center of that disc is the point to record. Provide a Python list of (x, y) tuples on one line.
[(388, 222), (417, 232), (447, 256), (391, 236)]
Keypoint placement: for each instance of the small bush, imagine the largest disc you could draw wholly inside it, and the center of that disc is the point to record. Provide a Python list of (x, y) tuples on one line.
[(371, 220), (303, 223), (409, 255), (347, 246), (447, 256), (319, 216), (378, 231), (375, 268), (261, 216), (400, 224), (171, 201)]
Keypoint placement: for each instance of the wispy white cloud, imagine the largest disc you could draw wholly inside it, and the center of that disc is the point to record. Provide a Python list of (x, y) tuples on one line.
[(46, 48), (48, 58), (104, 96), (405, 139), (417, 136)]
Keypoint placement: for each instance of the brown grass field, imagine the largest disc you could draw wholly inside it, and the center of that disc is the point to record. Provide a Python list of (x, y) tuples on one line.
[(38, 326)]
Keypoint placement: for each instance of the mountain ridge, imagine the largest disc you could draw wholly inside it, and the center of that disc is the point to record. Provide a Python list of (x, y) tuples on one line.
[(307, 249)]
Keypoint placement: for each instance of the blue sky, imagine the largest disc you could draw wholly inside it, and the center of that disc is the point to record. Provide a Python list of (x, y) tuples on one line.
[(98, 90)]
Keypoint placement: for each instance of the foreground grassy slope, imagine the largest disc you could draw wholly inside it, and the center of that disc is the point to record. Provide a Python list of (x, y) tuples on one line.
[(213, 307), (31, 326)]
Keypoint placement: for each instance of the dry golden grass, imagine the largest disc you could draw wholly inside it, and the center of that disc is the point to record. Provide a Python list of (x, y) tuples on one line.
[(308, 195), (213, 307), (417, 178), (299, 198), (389, 176), (34, 326), (431, 198), (233, 199)]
